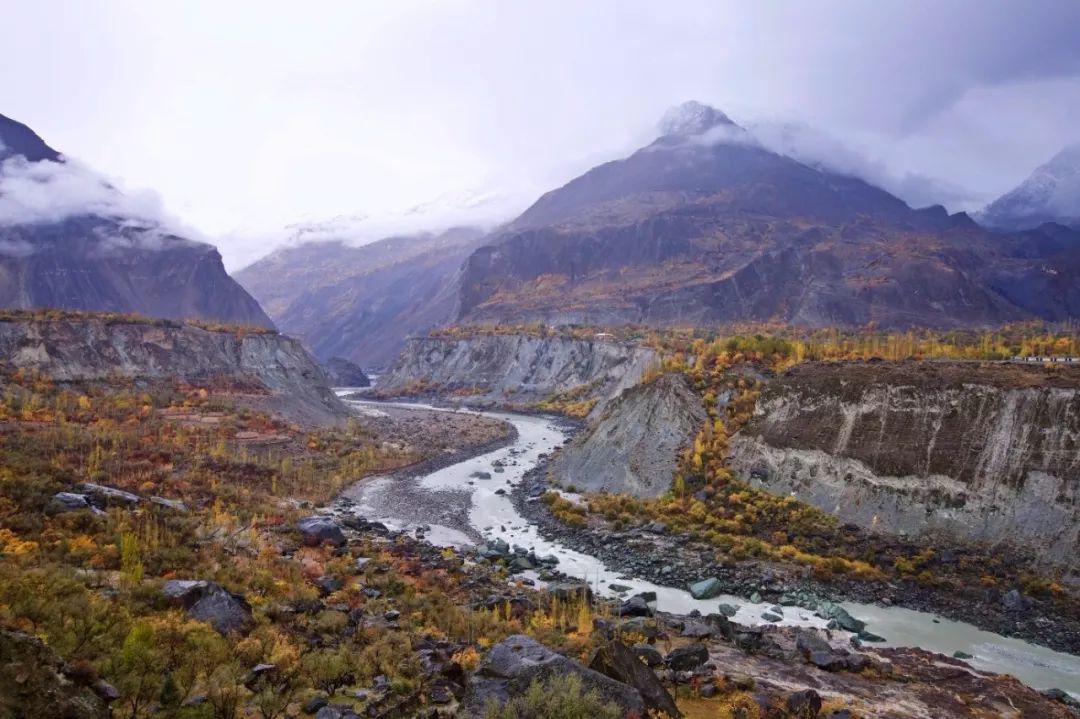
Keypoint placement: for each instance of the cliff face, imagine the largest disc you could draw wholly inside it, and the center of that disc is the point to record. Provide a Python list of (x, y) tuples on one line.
[(519, 367), (93, 348), (633, 447), (987, 454)]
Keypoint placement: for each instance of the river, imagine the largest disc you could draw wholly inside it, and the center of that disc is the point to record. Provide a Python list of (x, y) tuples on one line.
[(493, 516)]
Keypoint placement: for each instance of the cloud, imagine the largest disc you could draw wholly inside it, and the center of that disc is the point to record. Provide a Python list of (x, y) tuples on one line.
[(47, 192), (817, 148)]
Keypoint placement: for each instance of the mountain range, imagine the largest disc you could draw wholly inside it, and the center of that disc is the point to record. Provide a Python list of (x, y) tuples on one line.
[(706, 226), (70, 240)]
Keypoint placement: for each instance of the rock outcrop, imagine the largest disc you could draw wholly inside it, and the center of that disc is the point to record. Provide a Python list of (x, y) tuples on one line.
[(34, 682), (967, 452), (78, 348), (513, 664), (633, 446), (518, 367)]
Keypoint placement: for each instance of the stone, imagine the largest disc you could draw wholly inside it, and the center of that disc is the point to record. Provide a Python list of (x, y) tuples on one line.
[(314, 704), (107, 692), (870, 637), (770, 617), (103, 496), (635, 606), (808, 641), (686, 658), (836, 613), (728, 610), (617, 661), (328, 585), (70, 502), (961, 655), (1014, 601), (224, 611), (440, 694), (656, 527), (510, 666), (619, 588), (392, 615), (567, 591), (828, 661), (257, 672), (521, 564), (174, 504), (648, 654), (697, 630), (755, 598), (320, 529), (706, 588), (805, 704)]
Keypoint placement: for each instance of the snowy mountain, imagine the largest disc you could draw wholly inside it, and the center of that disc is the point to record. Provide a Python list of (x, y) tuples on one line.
[(1050, 194)]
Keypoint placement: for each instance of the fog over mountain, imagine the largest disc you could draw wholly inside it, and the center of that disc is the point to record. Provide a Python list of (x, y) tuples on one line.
[(373, 109)]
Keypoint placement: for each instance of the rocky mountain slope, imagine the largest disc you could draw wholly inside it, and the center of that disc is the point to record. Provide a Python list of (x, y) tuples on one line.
[(517, 368), (633, 446), (67, 240), (706, 226), (1050, 194), (274, 370), (361, 303), (958, 451)]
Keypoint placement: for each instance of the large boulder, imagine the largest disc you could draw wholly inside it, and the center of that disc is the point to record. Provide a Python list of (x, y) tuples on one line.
[(211, 603), (513, 664), (683, 659), (617, 661), (706, 588), (101, 496), (69, 502), (320, 529)]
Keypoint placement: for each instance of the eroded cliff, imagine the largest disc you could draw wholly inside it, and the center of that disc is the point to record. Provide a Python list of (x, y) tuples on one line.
[(518, 368), (961, 451), (276, 367)]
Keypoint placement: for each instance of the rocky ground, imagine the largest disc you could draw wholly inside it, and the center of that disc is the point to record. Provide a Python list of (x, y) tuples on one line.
[(676, 561)]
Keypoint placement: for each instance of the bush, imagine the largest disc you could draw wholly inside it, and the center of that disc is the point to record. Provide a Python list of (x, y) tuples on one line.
[(560, 697)]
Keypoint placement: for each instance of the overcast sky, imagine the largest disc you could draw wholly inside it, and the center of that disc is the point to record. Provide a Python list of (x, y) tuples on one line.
[(248, 116)]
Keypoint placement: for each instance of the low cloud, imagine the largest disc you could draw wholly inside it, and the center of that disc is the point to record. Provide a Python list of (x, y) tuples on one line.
[(46, 192), (819, 149)]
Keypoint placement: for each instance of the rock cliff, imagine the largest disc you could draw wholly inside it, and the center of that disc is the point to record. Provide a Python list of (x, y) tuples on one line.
[(518, 368), (961, 451), (633, 447), (94, 348)]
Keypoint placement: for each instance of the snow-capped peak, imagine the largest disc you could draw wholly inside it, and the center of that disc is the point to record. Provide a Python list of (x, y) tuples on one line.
[(692, 118)]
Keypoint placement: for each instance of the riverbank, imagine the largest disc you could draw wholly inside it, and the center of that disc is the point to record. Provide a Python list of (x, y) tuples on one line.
[(676, 561)]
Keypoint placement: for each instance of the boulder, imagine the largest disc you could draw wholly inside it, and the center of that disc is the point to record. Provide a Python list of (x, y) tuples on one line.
[(69, 502), (706, 588), (513, 664), (102, 496), (648, 654), (805, 704), (566, 591), (635, 606), (174, 504), (1014, 601), (617, 661), (728, 610), (211, 603), (320, 529), (836, 613), (683, 659), (828, 661), (808, 641)]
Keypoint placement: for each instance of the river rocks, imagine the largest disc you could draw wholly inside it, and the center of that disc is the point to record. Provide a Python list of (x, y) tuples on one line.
[(706, 588), (755, 598), (772, 617), (728, 610), (615, 660), (1014, 601), (635, 606), (836, 613), (686, 658), (321, 529), (513, 664), (961, 655), (808, 641)]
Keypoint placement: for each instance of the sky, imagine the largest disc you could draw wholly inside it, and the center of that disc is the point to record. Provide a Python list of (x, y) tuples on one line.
[(245, 118)]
